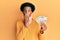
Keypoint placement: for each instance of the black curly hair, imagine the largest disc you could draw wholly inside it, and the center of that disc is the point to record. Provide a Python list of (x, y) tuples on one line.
[(27, 4)]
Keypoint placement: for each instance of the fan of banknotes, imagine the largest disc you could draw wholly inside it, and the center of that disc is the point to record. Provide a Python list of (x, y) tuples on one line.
[(42, 19)]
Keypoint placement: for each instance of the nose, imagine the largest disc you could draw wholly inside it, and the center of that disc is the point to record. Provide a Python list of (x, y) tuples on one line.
[(27, 12)]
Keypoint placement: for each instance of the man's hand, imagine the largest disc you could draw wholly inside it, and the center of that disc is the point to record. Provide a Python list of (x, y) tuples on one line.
[(43, 28)]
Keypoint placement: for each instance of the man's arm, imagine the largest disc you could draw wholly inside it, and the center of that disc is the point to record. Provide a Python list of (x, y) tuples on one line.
[(42, 23)]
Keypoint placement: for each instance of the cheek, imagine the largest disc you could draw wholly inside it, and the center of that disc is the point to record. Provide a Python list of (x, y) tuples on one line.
[(29, 13)]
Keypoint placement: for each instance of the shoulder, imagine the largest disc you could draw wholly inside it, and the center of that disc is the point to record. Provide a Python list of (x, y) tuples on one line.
[(36, 21), (19, 23)]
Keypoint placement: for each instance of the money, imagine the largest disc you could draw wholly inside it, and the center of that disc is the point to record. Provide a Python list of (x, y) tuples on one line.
[(42, 19)]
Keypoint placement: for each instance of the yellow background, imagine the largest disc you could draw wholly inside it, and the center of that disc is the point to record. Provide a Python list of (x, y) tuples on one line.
[(10, 13)]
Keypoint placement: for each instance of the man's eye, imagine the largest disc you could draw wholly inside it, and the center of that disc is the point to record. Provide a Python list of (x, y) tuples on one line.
[(25, 11)]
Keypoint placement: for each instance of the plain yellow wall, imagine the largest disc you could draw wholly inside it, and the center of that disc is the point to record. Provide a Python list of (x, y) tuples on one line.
[(10, 13)]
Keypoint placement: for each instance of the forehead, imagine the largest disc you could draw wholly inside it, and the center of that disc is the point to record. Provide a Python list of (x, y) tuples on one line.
[(27, 7)]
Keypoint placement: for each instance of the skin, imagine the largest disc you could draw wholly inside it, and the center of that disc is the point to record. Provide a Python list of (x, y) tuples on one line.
[(43, 28), (27, 13)]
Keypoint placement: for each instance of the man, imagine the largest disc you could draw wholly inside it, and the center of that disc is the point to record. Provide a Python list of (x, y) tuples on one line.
[(28, 28)]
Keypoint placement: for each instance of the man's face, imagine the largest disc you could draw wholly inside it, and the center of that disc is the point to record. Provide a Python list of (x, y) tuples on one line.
[(27, 11)]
